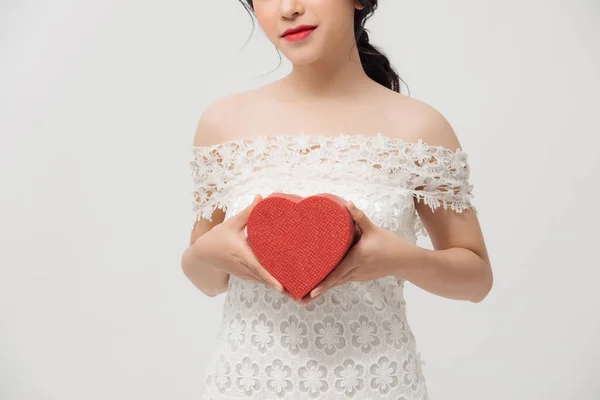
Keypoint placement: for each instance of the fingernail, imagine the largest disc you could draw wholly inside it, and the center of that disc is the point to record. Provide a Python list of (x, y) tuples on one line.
[(315, 292)]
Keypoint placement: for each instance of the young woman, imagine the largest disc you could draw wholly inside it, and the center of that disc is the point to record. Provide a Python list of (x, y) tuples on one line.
[(337, 124)]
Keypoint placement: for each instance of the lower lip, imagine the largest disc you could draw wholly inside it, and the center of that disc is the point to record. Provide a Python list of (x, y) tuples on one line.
[(295, 37)]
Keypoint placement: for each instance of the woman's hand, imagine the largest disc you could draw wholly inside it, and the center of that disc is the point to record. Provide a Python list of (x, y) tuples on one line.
[(225, 248), (378, 253)]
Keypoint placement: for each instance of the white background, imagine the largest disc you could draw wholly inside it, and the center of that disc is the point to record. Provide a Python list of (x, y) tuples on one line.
[(98, 106)]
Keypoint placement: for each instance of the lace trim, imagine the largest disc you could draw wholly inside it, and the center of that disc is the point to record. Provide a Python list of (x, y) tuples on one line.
[(434, 174)]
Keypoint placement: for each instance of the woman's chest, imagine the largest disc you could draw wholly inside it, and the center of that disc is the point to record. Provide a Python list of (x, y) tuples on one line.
[(382, 175), (273, 111), (391, 208)]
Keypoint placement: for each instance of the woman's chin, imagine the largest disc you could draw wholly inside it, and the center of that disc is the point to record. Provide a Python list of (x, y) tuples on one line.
[(303, 58)]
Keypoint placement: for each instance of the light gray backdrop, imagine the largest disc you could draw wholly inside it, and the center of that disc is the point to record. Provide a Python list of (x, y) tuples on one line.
[(98, 106)]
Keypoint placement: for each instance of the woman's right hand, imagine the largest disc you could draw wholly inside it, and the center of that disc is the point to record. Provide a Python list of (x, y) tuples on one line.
[(225, 247)]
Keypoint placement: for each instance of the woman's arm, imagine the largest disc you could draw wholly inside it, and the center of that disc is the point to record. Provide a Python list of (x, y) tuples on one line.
[(210, 281), (459, 267), (210, 130)]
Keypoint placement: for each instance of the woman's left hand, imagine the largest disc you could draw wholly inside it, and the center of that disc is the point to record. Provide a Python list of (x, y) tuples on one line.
[(379, 252)]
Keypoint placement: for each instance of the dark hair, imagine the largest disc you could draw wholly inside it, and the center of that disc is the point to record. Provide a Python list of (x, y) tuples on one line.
[(374, 61)]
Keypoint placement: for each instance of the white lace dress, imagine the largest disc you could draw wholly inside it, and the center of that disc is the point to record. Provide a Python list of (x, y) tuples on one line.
[(353, 341)]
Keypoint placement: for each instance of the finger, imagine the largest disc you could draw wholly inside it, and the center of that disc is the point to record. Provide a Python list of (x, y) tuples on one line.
[(241, 219), (244, 264), (248, 274), (347, 278), (265, 275), (261, 271), (256, 277), (328, 282), (361, 219), (249, 277), (307, 299), (345, 266)]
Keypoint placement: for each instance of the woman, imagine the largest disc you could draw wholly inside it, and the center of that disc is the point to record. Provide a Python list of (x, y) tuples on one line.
[(337, 124)]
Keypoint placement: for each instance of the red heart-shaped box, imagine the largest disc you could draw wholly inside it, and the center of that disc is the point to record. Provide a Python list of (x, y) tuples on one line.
[(299, 240)]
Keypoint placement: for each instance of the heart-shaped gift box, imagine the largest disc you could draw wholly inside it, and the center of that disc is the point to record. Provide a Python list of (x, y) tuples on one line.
[(299, 240)]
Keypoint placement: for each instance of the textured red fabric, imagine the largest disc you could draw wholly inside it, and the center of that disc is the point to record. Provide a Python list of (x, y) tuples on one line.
[(299, 240)]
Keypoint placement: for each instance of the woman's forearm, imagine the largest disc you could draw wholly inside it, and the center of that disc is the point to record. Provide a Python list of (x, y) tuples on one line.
[(209, 280), (455, 273)]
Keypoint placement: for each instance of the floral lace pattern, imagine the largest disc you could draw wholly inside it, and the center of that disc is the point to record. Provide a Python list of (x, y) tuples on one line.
[(435, 174), (353, 341)]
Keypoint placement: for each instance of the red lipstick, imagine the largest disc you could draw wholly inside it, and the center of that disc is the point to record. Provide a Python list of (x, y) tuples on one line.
[(298, 33)]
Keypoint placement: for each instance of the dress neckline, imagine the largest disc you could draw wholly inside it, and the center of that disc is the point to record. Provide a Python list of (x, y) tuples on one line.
[(357, 137)]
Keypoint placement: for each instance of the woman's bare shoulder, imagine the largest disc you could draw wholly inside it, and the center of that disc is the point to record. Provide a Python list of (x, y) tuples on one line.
[(420, 120), (221, 120)]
